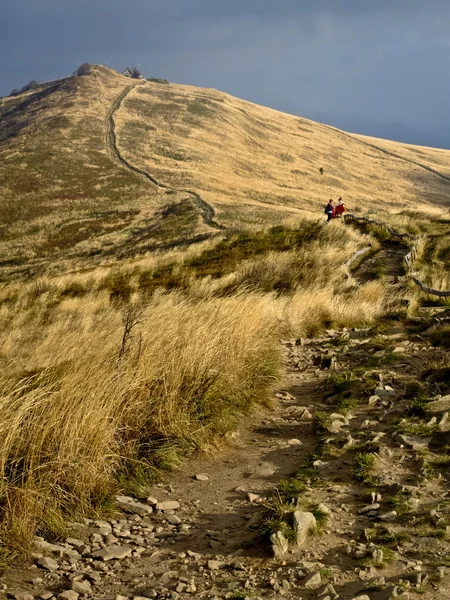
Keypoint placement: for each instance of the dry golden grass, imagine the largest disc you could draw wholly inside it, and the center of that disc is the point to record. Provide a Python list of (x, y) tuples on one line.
[(66, 203), (86, 412)]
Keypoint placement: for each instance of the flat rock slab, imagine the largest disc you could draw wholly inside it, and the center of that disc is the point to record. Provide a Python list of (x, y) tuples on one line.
[(215, 565), (168, 505), (438, 406), (112, 553), (414, 442), (130, 505)]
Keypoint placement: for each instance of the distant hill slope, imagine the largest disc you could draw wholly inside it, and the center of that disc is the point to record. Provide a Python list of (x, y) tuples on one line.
[(99, 166)]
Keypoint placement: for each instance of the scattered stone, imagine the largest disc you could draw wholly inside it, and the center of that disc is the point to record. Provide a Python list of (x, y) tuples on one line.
[(378, 556), (264, 470), (295, 442), (312, 581), (68, 595), (47, 563), (438, 406), (82, 587), (303, 522), (319, 464), (280, 545), (112, 552), (22, 596), (253, 497), (201, 477), (168, 505), (374, 400), (414, 442), (324, 508), (215, 565), (74, 542), (130, 505), (368, 509), (441, 572), (104, 528), (389, 516), (151, 501), (174, 520)]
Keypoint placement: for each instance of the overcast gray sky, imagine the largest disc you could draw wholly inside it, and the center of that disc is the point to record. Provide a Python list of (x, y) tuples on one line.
[(384, 60)]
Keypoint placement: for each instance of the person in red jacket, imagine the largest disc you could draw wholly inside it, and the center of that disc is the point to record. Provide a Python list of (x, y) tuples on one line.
[(340, 208), (329, 210)]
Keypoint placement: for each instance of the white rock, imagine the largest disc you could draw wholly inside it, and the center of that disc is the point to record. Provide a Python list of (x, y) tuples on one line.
[(253, 497), (303, 522), (295, 442), (201, 477), (152, 501), (280, 545)]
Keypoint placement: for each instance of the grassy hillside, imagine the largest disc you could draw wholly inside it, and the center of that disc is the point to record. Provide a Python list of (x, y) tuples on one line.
[(109, 377), (97, 168)]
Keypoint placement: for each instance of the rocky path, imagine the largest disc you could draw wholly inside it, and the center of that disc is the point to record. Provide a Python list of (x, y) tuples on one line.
[(383, 494), (340, 491), (385, 264)]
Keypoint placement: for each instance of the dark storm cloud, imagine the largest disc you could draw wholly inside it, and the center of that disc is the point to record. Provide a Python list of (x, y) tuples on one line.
[(385, 60)]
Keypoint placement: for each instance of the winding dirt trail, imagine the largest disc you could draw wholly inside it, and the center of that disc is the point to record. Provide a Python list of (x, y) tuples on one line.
[(206, 210), (202, 539)]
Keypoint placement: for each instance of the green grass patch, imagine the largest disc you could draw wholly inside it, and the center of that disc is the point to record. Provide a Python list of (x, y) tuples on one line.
[(363, 466)]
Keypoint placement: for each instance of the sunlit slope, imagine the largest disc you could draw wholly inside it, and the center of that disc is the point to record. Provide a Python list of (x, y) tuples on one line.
[(98, 167), (246, 158)]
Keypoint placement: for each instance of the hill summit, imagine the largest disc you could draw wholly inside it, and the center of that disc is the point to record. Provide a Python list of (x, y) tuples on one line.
[(98, 166)]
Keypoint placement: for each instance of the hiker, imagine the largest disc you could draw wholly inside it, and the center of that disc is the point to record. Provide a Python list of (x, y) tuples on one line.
[(329, 210), (340, 208)]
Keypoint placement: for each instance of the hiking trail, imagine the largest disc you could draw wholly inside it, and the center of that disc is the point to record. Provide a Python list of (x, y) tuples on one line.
[(206, 210), (382, 482)]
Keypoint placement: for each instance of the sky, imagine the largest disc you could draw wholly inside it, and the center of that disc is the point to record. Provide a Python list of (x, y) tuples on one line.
[(370, 64)]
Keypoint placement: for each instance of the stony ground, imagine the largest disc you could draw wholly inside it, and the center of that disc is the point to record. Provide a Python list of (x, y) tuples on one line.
[(356, 443)]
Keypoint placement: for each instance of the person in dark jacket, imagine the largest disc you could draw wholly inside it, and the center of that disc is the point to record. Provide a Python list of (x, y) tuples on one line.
[(329, 210)]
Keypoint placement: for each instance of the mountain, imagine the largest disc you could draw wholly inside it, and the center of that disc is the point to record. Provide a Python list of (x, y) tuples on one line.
[(96, 167)]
